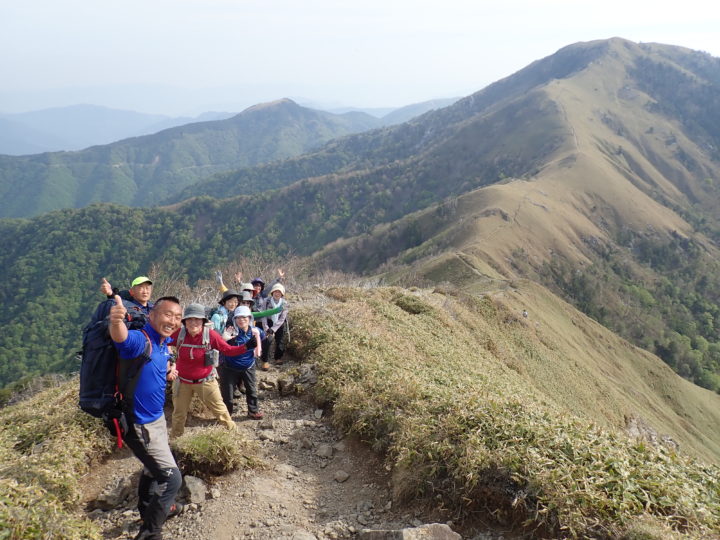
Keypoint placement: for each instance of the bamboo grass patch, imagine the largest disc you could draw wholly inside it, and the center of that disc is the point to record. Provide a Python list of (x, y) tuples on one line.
[(477, 436), (46, 444)]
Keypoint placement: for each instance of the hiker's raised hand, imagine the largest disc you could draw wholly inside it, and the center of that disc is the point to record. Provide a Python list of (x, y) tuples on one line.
[(118, 330), (118, 311), (218, 277), (238, 277), (281, 274), (105, 287)]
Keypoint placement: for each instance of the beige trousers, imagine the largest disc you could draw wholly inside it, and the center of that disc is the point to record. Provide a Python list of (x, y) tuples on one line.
[(209, 394)]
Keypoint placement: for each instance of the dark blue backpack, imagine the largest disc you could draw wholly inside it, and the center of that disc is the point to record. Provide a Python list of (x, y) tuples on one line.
[(105, 379)]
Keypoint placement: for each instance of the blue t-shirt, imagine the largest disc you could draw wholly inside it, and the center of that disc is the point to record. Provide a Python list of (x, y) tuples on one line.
[(245, 360), (149, 398)]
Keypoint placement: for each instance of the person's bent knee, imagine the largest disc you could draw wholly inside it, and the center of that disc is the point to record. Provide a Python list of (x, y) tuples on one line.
[(172, 478)]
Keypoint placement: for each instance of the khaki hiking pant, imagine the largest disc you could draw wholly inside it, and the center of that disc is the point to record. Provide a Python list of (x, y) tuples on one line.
[(209, 394)]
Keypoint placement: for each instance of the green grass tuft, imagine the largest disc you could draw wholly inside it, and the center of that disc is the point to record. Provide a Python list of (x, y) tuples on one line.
[(214, 451)]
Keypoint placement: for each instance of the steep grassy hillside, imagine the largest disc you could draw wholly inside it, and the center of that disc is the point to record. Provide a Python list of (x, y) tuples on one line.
[(548, 424), (142, 171), (622, 220), (506, 129), (520, 417)]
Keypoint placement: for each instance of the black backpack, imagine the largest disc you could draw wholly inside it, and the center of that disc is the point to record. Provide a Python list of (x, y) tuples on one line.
[(105, 379)]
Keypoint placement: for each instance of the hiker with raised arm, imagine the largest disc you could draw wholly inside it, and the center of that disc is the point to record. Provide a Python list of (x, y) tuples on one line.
[(256, 286), (276, 325), (239, 368), (146, 352), (136, 298), (197, 346)]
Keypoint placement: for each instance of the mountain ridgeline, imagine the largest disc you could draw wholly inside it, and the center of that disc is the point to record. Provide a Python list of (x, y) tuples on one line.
[(142, 171), (583, 171)]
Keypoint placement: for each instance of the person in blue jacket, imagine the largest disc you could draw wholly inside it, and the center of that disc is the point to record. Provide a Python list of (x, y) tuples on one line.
[(236, 369), (145, 432), (221, 318)]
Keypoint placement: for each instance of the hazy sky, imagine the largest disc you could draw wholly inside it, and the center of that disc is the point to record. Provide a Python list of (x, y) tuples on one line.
[(188, 56)]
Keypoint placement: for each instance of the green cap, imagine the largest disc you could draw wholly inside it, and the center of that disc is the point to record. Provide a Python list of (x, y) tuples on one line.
[(141, 279)]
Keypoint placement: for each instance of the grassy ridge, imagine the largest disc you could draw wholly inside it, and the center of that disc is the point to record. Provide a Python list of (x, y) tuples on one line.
[(46, 444), (432, 381)]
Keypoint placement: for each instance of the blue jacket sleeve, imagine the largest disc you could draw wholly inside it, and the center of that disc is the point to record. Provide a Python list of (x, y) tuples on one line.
[(133, 346)]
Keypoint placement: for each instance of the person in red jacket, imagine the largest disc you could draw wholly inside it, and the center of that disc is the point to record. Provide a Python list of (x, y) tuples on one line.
[(195, 365)]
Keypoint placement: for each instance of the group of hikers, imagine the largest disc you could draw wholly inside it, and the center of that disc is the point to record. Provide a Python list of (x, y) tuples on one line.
[(215, 354)]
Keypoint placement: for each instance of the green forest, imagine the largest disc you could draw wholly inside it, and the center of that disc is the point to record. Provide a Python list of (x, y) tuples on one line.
[(661, 294)]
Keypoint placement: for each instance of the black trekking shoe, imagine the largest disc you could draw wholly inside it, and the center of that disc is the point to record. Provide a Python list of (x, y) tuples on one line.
[(147, 535)]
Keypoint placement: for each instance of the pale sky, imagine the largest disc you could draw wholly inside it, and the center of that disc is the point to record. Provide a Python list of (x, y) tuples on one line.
[(188, 56)]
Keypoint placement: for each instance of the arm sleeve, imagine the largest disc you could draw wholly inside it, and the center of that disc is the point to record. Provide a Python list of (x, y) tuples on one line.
[(133, 346), (267, 312), (217, 321), (217, 343)]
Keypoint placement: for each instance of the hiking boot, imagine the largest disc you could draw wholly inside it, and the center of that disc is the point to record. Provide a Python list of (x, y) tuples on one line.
[(265, 366), (175, 510), (256, 415), (144, 534)]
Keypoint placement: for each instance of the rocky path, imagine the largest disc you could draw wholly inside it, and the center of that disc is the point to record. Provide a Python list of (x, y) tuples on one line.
[(314, 483)]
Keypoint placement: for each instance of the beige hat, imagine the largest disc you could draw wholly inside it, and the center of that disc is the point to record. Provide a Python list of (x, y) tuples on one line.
[(278, 287)]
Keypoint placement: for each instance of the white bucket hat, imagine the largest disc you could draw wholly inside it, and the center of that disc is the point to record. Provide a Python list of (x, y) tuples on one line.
[(278, 287)]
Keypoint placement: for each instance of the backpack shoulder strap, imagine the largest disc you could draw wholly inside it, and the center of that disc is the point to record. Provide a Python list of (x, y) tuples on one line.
[(148, 345), (206, 335), (126, 371), (181, 338)]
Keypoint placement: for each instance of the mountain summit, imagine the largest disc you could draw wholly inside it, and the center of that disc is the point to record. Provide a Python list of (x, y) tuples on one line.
[(141, 171)]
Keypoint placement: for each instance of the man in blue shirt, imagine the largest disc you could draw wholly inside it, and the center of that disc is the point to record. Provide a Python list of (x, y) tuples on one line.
[(144, 399)]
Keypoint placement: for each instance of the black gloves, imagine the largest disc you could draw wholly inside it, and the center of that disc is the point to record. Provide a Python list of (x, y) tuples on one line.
[(251, 343)]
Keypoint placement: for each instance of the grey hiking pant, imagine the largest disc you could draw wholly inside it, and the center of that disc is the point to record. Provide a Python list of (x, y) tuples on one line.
[(161, 478)]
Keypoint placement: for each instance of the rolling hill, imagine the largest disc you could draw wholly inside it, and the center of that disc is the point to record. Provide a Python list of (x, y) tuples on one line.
[(72, 128), (141, 171)]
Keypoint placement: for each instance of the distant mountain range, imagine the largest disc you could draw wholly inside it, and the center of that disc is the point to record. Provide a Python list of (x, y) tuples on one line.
[(81, 126), (594, 171), (143, 171)]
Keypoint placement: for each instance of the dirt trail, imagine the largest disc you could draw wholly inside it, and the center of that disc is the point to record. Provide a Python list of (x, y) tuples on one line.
[(300, 494)]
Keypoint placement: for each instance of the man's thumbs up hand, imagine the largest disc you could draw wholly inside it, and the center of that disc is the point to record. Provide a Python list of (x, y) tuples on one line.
[(105, 287), (118, 311)]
